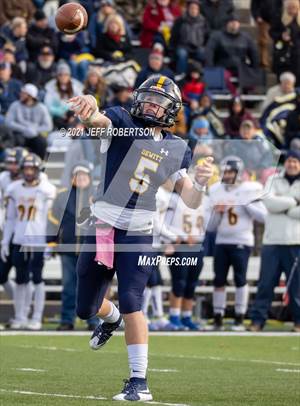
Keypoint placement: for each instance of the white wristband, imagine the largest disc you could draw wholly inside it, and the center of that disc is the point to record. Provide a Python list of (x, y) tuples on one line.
[(199, 188)]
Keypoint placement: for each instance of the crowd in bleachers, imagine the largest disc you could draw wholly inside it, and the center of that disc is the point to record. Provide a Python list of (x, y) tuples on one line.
[(202, 44)]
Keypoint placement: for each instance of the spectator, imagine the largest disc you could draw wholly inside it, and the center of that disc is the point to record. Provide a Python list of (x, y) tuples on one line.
[(285, 32), (200, 138), (9, 9), (40, 34), (15, 33), (216, 12), (236, 115), (58, 91), (155, 67), (62, 230), (188, 37), (43, 70), (193, 87), (113, 44), (123, 97), (96, 86), (158, 20), (72, 49), (231, 48), (97, 21), (292, 129), (281, 242), (9, 88), (9, 57), (286, 87), (262, 12), (30, 119), (205, 107)]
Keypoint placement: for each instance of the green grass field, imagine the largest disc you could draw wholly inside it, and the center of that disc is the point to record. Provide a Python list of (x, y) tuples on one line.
[(195, 371)]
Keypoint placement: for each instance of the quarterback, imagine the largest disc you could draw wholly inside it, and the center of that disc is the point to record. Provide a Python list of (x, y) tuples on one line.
[(132, 170)]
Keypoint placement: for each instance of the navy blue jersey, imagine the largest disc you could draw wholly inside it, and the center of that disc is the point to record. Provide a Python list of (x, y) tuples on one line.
[(135, 166)]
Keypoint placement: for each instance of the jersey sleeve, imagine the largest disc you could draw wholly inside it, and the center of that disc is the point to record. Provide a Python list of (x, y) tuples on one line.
[(187, 158), (118, 116)]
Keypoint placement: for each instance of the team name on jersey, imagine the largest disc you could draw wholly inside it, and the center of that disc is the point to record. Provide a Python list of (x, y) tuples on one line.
[(152, 155)]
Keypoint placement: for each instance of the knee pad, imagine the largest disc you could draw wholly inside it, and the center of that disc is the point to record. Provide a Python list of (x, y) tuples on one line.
[(130, 302), (240, 279), (85, 313), (37, 279), (219, 281), (21, 278)]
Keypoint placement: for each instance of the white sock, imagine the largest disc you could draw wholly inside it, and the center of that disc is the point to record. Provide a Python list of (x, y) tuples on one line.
[(39, 302), (113, 315), (138, 360), (241, 299), (19, 302), (9, 287), (146, 301), (174, 311), (219, 301), (28, 297), (186, 313), (157, 303)]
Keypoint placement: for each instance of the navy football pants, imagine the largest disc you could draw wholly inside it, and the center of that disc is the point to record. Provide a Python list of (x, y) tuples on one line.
[(94, 279)]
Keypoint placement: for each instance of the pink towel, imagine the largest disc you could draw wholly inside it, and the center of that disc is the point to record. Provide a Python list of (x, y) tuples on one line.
[(104, 244)]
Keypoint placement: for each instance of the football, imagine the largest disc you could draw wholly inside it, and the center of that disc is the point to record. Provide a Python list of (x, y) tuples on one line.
[(71, 18)]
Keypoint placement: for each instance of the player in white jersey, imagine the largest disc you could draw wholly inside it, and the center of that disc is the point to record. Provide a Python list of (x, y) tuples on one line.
[(234, 205), (188, 226), (153, 291), (13, 157), (28, 202)]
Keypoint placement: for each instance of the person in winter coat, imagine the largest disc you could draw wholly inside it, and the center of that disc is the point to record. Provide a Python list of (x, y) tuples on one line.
[(9, 88), (158, 19), (292, 129), (62, 230), (113, 44), (231, 48), (236, 115), (285, 32), (15, 33), (188, 36), (216, 12), (30, 119), (263, 13), (43, 69), (40, 34), (155, 66), (281, 243)]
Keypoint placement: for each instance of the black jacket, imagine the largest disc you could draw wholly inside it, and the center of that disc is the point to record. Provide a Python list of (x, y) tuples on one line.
[(230, 51), (266, 9), (292, 129), (106, 46), (37, 38), (188, 32), (216, 13), (38, 76)]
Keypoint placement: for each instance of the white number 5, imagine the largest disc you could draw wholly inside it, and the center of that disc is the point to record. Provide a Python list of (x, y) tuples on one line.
[(140, 181)]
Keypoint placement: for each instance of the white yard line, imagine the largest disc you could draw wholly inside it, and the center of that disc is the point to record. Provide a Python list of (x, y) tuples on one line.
[(255, 361), (296, 371), (155, 333), (29, 370), (55, 395), (162, 370), (61, 395), (43, 347)]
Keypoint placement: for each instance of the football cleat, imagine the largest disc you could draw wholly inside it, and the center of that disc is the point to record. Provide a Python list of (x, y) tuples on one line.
[(238, 323), (217, 323), (135, 390), (255, 327), (188, 322), (18, 325), (34, 325), (103, 332)]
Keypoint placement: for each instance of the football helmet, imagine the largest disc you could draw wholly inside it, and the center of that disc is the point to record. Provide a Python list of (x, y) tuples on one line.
[(31, 161), (14, 156), (157, 101), (232, 163)]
